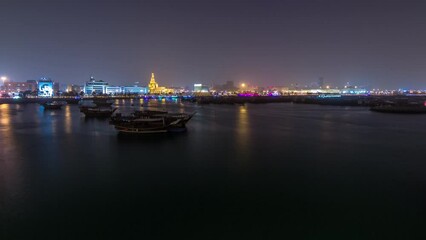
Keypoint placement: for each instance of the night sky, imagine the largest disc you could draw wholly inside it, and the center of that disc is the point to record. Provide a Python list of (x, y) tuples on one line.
[(380, 44)]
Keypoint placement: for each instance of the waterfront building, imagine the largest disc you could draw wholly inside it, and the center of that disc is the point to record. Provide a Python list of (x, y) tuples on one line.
[(198, 87), (353, 90), (117, 90), (153, 85), (32, 85), (55, 87), (95, 87), (17, 87), (155, 89), (134, 90), (114, 90), (176, 90), (312, 91), (74, 88), (45, 87)]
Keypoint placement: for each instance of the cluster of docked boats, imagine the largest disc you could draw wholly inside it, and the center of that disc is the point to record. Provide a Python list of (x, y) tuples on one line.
[(148, 121), (138, 122)]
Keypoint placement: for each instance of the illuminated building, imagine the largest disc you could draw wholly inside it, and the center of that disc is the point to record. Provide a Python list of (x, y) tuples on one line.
[(45, 87), (134, 90), (17, 87), (152, 86), (198, 87), (350, 90), (113, 90), (95, 87), (155, 89), (116, 90), (74, 88)]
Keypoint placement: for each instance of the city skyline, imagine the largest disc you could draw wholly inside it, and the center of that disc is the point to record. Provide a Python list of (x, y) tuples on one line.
[(275, 43)]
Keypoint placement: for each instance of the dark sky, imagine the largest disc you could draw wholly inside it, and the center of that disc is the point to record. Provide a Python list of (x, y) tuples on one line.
[(263, 42)]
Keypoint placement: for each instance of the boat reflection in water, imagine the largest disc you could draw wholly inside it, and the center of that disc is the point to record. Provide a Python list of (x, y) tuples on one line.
[(143, 122)]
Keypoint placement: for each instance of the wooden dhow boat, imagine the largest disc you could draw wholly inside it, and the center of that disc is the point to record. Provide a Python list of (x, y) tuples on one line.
[(151, 123), (54, 105), (97, 112)]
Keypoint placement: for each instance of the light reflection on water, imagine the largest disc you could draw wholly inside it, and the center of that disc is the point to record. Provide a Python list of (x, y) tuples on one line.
[(243, 132), (68, 119), (4, 115), (11, 170), (236, 166)]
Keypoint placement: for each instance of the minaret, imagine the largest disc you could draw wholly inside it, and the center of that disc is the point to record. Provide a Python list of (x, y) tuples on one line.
[(152, 84)]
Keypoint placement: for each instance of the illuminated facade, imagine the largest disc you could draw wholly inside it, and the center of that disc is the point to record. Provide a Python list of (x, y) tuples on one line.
[(152, 86), (74, 88), (353, 91), (45, 88), (95, 87), (134, 90), (155, 89), (198, 87), (17, 87), (117, 90)]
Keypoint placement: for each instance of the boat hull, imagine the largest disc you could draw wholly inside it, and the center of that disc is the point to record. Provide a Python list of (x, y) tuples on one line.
[(52, 107), (150, 122), (97, 113), (397, 109), (137, 131)]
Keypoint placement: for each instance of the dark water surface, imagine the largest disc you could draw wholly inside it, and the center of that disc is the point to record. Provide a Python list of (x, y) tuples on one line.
[(240, 172)]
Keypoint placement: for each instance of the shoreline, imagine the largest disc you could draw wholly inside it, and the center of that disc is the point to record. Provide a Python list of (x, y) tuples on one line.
[(306, 99)]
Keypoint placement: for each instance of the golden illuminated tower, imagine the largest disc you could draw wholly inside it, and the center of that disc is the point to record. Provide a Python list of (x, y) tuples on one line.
[(152, 84)]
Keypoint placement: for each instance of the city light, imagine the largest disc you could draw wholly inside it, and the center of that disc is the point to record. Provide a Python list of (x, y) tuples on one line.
[(3, 78), (243, 85)]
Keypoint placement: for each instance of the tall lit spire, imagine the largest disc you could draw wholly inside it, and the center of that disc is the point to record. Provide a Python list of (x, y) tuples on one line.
[(152, 84), (152, 78)]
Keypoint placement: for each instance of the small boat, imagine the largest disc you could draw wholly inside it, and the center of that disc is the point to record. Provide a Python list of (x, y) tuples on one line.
[(52, 105), (138, 123), (103, 102), (97, 112)]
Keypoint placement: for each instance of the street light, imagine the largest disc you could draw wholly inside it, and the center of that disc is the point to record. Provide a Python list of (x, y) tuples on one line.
[(243, 85), (3, 78)]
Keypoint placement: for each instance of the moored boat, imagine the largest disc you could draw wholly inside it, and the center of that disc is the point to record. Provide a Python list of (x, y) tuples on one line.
[(138, 123), (142, 126), (98, 112), (103, 102), (52, 105)]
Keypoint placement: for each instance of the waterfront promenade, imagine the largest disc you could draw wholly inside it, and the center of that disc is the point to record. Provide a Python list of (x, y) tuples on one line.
[(349, 100)]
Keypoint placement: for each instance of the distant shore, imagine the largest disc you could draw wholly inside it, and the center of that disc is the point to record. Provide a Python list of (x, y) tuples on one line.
[(305, 99), (311, 99)]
